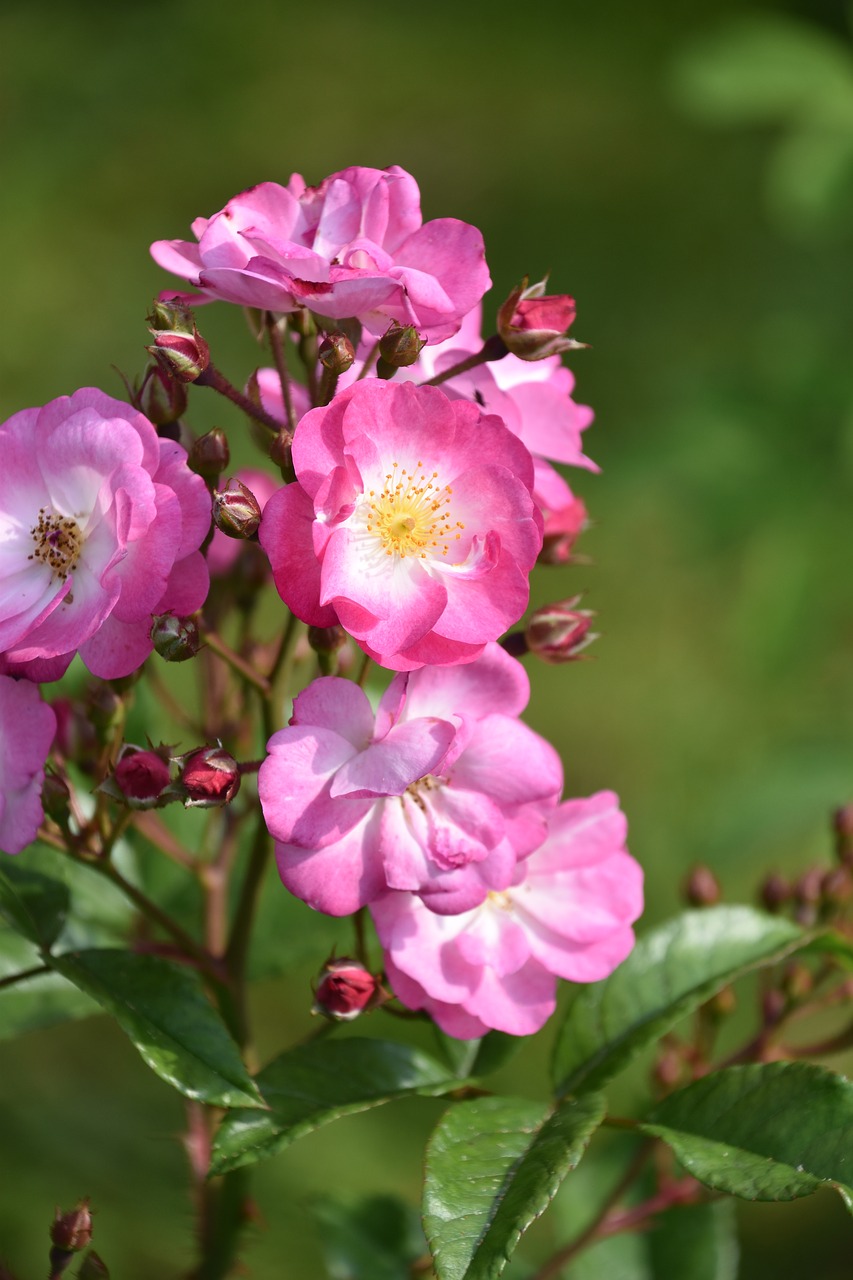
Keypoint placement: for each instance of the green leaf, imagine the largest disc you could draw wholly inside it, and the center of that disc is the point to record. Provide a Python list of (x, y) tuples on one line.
[(698, 1241), (477, 1057), (33, 904), (373, 1238), (36, 1002), (773, 1131), (670, 972), (315, 1083), (163, 1008), (493, 1166)]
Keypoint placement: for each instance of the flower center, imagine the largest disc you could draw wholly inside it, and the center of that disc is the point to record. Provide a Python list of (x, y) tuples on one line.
[(500, 899), (415, 789), (58, 543), (412, 516)]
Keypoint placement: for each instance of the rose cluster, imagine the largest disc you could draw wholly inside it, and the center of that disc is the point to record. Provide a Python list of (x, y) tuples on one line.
[(422, 492)]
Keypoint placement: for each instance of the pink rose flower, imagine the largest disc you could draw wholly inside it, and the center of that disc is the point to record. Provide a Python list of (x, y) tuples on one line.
[(412, 524), (100, 522), (27, 728), (353, 246), (438, 793), (567, 913)]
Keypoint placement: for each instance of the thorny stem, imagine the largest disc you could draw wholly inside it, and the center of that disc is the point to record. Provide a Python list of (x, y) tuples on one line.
[(211, 377), (493, 348), (368, 361), (277, 347)]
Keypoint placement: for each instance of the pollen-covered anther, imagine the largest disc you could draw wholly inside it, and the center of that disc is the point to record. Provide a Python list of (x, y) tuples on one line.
[(412, 514), (58, 542)]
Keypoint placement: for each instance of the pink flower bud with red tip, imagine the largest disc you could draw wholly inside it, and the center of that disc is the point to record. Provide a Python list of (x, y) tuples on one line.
[(162, 399), (175, 639), (345, 990), (141, 777), (236, 510), (178, 348), (562, 530), (210, 777), (560, 632), (209, 455), (533, 325)]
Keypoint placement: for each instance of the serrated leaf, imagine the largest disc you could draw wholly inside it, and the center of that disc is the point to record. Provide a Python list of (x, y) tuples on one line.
[(315, 1083), (670, 972), (773, 1131), (372, 1238), (493, 1166), (33, 904), (37, 1002), (163, 1009)]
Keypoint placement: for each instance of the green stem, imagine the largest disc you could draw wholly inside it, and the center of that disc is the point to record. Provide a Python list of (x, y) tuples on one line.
[(236, 663), (11, 978), (368, 361), (277, 348), (237, 951), (493, 348)]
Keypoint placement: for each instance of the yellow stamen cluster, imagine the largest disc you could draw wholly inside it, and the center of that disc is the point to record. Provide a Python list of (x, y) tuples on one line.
[(59, 542), (427, 783), (412, 514)]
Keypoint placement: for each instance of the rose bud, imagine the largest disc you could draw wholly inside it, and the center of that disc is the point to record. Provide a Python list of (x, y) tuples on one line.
[(561, 532), (210, 777), (281, 454), (141, 776), (345, 990), (72, 1231), (209, 455), (336, 352), (400, 346), (175, 639), (162, 399), (702, 889), (236, 510), (560, 632), (183, 356), (775, 892), (533, 325)]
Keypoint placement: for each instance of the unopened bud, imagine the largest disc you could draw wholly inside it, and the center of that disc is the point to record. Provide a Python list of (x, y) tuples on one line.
[(55, 798), (236, 510), (336, 353), (72, 1231), (163, 400), (141, 776), (174, 638), (210, 777), (836, 886), (281, 454), (775, 892), (533, 325), (807, 889), (209, 455), (183, 356), (702, 888), (842, 823), (345, 990), (326, 639), (560, 632), (400, 346), (561, 532), (170, 316)]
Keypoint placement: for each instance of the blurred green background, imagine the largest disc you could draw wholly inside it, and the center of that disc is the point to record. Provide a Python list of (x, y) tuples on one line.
[(686, 171)]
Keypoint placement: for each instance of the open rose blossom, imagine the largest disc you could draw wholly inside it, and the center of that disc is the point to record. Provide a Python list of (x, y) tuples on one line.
[(412, 524), (353, 246), (567, 913), (27, 727), (100, 525), (439, 793)]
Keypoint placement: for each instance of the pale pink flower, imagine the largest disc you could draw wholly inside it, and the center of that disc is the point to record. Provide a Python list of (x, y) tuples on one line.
[(566, 913), (27, 728), (100, 524), (353, 246), (412, 524), (439, 793)]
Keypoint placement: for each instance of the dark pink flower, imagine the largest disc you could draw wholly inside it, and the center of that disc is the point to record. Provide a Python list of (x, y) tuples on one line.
[(533, 324), (439, 793), (412, 524), (141, 775), (345, 990), (567, 913), (101, 522), (27, 728), (209, 777), (353, 246)]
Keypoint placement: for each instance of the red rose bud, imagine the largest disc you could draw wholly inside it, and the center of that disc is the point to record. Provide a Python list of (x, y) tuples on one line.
[(533, 325), (561, 532), (183, 356), (209, 455), (400, 345), (175, 639), (345, 990), (210, 777), (336, 353), (560, 632), (141, 776), (72, 1231), (162, 399), (702, 889), (236, 510)]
